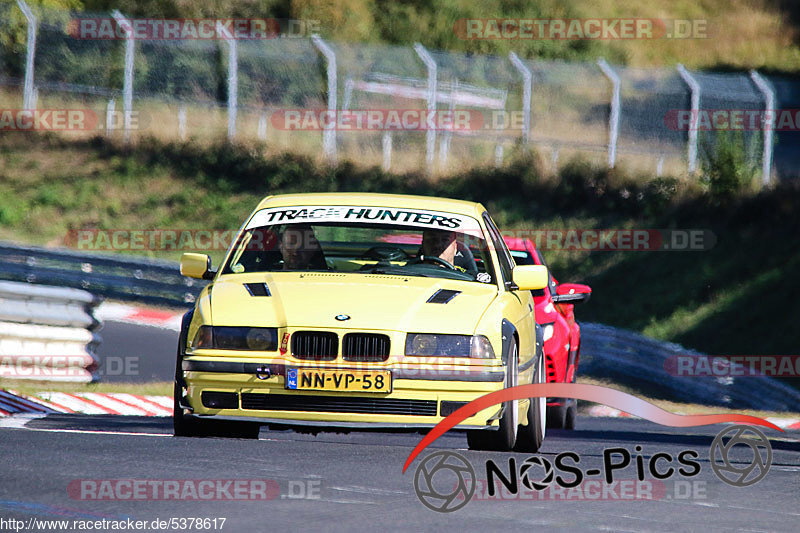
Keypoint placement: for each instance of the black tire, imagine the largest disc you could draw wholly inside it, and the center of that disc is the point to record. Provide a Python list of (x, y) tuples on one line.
[(181, 425), (187, 426), (531, 436), (572, 415), (556, 416), (504, 438)]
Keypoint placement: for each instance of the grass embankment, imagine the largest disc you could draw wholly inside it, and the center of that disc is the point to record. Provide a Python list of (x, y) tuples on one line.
[(741, 34), (740, 297), (32, 388)]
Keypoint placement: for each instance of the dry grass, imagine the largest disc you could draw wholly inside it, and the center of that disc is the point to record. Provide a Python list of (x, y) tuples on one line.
[(31, 388)]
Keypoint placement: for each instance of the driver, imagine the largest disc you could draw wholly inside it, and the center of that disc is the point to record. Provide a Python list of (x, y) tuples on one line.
[(301, 249), (441, 244)]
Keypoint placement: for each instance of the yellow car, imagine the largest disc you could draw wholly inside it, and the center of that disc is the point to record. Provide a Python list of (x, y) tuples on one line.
[(349, 310)]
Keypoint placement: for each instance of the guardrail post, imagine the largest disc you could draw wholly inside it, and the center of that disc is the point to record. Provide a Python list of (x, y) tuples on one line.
[(613, 121), (694, 87), (233, 78), (329, 132), (768, 125), (527, 91), (28, 98), (127, 84), (430, 138)]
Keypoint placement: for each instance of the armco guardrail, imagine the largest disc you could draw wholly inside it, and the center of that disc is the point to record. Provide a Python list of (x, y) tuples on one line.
[(47, 333), (640, 362), (134, 279)]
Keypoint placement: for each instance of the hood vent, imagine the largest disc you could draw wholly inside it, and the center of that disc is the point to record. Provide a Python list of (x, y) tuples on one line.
[(257, 289), (442, 296)]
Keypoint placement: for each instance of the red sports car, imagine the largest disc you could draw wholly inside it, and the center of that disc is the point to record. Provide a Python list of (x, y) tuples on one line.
[(562, 335)]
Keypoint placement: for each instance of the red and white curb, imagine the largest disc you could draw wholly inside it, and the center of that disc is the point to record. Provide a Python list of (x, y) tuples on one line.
[(88, 403), (120, 403), (158, 318), (603, 411)]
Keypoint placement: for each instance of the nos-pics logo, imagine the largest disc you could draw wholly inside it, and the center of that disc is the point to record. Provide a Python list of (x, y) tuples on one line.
[(445, 481)]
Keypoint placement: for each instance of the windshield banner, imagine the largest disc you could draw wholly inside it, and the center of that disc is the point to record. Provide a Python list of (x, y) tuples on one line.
[(314, 214)]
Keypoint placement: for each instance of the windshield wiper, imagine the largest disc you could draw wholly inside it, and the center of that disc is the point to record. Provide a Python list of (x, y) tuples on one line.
[(394, 272)]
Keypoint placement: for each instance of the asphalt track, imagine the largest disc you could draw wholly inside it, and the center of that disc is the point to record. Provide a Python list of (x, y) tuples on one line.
[(356, 482), (136, 353)]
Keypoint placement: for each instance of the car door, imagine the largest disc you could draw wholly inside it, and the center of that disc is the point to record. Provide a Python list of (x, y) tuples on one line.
[(518, 305)]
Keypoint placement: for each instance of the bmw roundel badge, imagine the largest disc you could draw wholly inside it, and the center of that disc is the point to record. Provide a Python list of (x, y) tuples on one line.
[(342, 318)]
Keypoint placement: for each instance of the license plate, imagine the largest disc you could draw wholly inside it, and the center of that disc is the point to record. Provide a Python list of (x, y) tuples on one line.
[(339, 380)]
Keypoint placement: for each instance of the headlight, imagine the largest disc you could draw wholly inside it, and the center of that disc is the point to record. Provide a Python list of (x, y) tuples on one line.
[(547, 331), (427, 344), (236, 338)]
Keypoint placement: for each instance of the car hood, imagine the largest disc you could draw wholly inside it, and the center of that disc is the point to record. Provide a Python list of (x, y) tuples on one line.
[(373, 302)]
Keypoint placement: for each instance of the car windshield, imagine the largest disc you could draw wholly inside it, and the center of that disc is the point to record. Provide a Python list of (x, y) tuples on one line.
[(389, 241)]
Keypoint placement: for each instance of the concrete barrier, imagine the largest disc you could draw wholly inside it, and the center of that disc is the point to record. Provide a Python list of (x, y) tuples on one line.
[(47, 333)]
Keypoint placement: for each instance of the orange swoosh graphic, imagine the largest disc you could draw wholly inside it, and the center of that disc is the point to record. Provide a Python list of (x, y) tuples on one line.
[(592, 393)]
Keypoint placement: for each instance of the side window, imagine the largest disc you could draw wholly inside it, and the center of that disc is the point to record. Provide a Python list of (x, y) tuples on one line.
[(504, 258)]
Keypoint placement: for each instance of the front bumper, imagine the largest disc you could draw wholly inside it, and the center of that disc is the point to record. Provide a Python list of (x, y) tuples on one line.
[(420, 396)]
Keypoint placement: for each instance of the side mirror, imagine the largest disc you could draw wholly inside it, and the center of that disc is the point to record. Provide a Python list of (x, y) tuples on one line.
[(530, 277), (572, 293), (197, 266)]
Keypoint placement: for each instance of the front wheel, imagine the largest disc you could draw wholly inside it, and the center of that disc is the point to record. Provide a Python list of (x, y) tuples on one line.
[(186, 426), (504, 438), (531, 436)]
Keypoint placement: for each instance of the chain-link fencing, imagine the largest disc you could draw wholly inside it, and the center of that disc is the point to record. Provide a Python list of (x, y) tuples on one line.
[(356, 101)]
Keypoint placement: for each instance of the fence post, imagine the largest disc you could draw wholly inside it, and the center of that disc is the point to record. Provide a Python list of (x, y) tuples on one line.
[(498, 155), (694, 87), (28, 100), (262, 127), (329, 133), (233, 78), (127, 84), (430, 138), (348, 93), (769, 125), (527, 82), (447, 137), (386, 141), (182, 122), (613, 121), (110, 116)]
